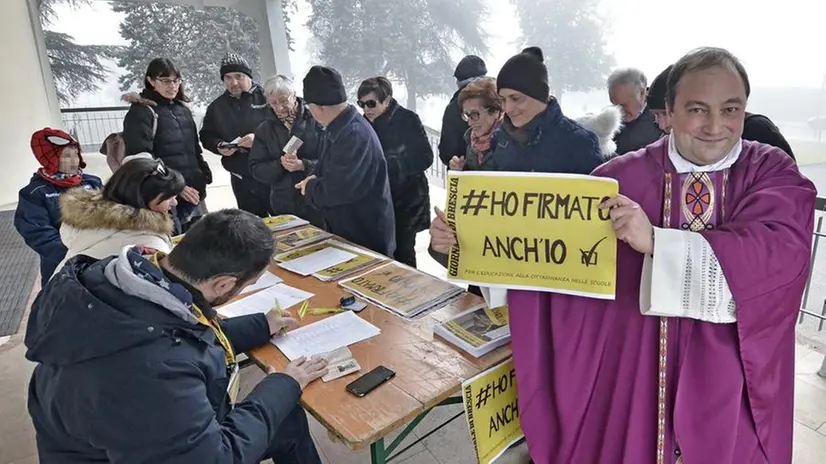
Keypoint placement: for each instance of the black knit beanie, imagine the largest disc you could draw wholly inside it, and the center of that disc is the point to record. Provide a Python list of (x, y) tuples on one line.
[(656, 91), (233, 62), (323, 86), (470, 66), (526, 73)]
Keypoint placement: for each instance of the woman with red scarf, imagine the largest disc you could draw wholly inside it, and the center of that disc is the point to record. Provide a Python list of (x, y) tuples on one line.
[(37, 217), (482, 109)]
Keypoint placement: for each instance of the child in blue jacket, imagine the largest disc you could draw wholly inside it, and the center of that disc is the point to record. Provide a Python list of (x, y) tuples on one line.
[(37, 217)]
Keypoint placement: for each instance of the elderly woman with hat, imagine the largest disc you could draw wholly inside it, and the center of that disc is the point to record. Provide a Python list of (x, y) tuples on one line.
[(37, 218)]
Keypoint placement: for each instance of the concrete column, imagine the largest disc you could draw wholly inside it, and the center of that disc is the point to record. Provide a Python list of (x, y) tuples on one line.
[(29, 102), (272, 35)]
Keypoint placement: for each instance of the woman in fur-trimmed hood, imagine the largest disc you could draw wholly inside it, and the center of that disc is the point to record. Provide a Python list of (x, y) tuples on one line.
[(132, 209)]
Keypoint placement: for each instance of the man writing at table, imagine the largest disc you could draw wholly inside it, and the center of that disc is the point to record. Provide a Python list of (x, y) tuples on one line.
[(694, 360), (135, 367)]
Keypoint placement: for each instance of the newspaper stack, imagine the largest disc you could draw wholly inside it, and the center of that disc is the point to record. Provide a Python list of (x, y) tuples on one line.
[(477, 331), (289, 240), (363, 259), (284, 222), (403, 290)]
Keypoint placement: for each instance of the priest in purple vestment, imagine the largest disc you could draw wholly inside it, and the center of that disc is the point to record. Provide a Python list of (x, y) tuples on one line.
[(694, 360)]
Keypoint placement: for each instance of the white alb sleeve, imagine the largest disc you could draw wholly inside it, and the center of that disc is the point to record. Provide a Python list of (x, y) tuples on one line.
[(683, 278)]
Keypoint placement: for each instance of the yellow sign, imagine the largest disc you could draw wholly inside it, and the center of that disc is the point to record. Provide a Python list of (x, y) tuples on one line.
[(492, 412), (532, 231)]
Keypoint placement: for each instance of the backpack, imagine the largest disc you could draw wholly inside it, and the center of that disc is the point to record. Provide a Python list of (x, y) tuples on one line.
[(114, 147)]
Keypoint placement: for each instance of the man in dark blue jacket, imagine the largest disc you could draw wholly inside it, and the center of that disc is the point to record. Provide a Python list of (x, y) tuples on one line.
[(135, 367), (535, 136), (350, 185)]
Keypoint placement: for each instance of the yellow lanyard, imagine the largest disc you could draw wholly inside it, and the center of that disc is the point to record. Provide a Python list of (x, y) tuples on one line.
[(216, 328)]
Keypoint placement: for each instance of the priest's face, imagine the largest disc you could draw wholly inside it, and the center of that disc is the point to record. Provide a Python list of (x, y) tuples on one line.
[(708, 114)]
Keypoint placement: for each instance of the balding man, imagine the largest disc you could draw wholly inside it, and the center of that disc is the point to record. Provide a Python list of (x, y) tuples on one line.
[(627, 88)]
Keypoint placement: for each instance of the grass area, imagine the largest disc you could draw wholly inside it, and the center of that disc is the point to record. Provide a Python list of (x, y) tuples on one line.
[(808, 152)]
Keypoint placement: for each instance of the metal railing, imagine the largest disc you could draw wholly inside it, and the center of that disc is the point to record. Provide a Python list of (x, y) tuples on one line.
[(820, 210), (437, 173), (90, 126)]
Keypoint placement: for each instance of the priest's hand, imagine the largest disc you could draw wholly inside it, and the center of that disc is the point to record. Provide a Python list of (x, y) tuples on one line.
[(631, 223), (442, 237)]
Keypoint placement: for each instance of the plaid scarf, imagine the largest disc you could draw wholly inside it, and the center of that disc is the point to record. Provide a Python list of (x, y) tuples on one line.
[(289, 120)]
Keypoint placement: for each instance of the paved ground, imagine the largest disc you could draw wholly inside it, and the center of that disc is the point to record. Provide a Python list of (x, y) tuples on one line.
[(450, 445)]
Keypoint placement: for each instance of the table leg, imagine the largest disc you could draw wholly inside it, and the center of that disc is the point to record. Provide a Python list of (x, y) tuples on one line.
[(378, 455)]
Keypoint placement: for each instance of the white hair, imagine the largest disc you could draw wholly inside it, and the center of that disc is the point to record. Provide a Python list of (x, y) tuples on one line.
[(279, 84), (623, 76)]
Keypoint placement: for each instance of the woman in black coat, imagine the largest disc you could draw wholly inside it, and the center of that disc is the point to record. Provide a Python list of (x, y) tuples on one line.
[(408, 154), (159, 122)]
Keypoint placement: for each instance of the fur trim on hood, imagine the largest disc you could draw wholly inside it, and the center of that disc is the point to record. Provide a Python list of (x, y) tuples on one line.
[(134, 97), (87, 209), (605, 124)]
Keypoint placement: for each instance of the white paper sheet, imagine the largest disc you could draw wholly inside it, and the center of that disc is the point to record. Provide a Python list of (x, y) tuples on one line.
[(324, 336), (317, 261), (264, 301), (267, 279)]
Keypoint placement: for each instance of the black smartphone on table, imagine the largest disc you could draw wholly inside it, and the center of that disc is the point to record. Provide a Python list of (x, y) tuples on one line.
[(369, 381)]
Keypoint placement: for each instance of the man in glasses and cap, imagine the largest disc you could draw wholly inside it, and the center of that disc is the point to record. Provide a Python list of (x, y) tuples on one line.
[(229, 130)]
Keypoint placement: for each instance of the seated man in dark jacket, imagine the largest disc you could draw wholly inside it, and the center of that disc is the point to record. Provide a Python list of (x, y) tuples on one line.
[(234, 115), (270, 164), (135, 367), (757, 128), (350, 185)]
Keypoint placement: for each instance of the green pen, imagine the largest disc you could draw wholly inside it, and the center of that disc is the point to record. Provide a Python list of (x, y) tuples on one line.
[(281, 313)]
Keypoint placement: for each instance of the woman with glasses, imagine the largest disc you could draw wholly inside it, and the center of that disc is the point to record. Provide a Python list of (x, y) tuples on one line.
[(132, 209), (159, 122), (409, 155), (482, 110), (276, 162)]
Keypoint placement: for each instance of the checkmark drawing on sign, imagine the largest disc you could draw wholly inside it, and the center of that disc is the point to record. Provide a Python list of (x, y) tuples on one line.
[(589, 257)]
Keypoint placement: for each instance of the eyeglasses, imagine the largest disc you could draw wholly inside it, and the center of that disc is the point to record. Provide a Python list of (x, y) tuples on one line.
[(369, 104), (169, 82), (473, 115)]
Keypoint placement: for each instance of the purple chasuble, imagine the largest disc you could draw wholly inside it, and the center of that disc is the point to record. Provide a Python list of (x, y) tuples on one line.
[(588, 369)]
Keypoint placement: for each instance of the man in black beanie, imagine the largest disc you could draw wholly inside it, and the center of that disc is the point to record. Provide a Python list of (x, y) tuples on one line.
[(350, 184), (535, 136), (757, 127), (228, 129), (452, 140)]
